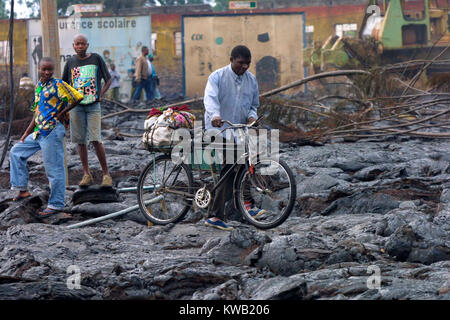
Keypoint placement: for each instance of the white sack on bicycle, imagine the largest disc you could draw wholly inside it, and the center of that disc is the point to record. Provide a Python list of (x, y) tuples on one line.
[(160, 130)]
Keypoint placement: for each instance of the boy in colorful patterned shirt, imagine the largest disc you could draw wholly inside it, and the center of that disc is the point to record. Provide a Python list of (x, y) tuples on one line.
[(52, 101)]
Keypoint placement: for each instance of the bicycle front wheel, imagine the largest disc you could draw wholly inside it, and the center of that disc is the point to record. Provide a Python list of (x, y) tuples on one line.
[(266, 193), (163, 190)]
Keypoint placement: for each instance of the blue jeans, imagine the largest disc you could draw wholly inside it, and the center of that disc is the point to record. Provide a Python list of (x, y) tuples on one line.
[(53, 156), (147, 85)]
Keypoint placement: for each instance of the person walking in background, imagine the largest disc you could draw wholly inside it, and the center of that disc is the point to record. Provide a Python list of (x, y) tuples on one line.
[(84, 71), (53, 99), (107, 58), (143, 76), (115, 83), (132, 79), (155, 79)]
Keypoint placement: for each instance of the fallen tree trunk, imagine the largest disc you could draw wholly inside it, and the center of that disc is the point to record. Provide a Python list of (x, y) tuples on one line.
[(311, 78)]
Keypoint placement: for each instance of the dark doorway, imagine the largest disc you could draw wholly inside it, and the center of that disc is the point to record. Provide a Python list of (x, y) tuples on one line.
[(267, 73)]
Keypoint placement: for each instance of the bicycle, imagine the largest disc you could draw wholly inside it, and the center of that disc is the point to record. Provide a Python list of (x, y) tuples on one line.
[(166, 190)]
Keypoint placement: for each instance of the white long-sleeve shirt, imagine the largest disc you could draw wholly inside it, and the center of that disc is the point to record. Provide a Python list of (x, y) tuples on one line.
[(115, 79), (232, 97)]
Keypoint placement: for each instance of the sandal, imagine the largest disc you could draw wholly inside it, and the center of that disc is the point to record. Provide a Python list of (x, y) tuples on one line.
[(47, 212), (19, 197)]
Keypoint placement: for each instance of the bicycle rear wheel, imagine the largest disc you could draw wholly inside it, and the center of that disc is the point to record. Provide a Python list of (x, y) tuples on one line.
[(163, 189), (271, 188)]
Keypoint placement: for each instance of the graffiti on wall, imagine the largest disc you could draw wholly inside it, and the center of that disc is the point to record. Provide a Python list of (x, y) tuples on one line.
[(117, 39), (36, 55)]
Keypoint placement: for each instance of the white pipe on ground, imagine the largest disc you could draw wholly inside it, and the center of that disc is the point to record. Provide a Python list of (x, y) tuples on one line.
[(114, 214)]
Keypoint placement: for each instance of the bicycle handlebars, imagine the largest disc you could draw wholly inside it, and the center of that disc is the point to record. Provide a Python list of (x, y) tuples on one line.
[(239, 125)]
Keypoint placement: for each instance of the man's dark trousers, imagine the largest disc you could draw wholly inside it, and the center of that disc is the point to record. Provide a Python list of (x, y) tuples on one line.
[(147, 85)]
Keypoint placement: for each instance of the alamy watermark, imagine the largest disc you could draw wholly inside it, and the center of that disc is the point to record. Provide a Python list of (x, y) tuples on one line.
[(74, 280), (374, 281), (374, 9), (230, 146)]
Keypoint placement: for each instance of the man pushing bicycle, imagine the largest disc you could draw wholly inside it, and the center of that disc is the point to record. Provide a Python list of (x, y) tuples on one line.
[(231, 94)]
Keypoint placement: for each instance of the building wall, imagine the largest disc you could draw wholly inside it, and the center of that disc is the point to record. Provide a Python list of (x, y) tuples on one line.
[(172, 9), (324, 18), (276, 42), (168, 64), (276, 4), (19, 53), (20, 40)]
